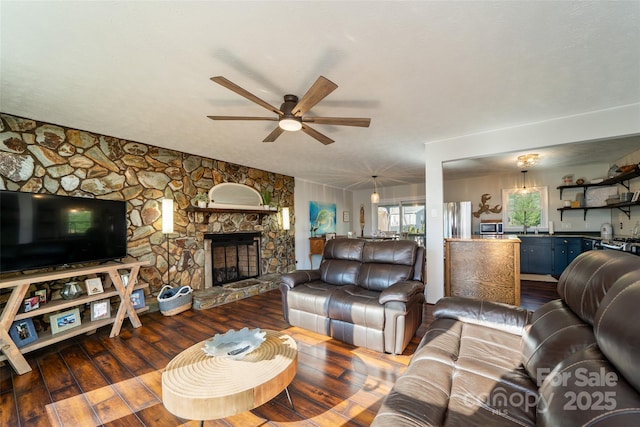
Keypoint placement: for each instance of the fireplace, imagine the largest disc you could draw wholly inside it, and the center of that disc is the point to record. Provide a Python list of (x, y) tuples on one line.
[(231, 257)]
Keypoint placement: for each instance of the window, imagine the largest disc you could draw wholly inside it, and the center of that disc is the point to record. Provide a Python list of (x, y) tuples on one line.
[(404, 218), (525, 207)]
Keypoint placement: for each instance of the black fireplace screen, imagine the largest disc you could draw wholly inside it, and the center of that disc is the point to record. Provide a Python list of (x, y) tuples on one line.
[(234, 256)]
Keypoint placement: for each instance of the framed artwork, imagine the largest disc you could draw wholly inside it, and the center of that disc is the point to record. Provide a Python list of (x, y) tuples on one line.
[(322, 218), (346, 217), (23, 332), (100, 309), (635, 197), (31, 303), (42, 295), (64, 320), (137, 298), (94, 286)]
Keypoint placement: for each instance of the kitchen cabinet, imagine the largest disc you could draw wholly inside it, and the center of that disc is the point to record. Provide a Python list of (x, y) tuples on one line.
[(536, 256), (487, 269), (622, 179), (588, 244), (564, 249)]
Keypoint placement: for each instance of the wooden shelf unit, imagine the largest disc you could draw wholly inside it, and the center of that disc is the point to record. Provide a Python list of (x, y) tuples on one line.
[(113, 287)]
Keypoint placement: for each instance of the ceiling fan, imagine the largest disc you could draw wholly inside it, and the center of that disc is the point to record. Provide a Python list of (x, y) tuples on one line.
[(290, 115)]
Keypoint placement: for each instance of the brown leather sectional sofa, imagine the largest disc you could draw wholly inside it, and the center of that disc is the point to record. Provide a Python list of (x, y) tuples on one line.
[(573, 362), (366, 293)]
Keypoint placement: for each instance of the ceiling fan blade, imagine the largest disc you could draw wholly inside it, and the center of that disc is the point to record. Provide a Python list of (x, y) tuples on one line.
[(317, 135), (321, 88), (240, 91), (274, 135), (341, 121), (271, 119)]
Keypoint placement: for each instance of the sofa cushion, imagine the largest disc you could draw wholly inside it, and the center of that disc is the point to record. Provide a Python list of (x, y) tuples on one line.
[(401, 252), (555, 333), (462, 374), (616, 339), (312, 297), (587, 279), (378, 277), (341, 261), (339, 271), (356, 305), (586, 390)]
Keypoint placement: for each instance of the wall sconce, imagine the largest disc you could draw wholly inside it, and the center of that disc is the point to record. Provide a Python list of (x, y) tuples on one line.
[(375, 197), (527, 160), (167, 216), (167, 225), (286, 222)]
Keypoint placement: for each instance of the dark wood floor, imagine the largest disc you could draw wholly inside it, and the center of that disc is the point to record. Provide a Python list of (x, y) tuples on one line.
[(96, 380)]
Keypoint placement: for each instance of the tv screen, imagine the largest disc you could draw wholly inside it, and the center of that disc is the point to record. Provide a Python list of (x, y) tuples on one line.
[(43, 230)]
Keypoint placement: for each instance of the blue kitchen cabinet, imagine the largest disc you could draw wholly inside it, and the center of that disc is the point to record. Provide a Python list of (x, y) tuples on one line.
[(536, 255), (564, 249)]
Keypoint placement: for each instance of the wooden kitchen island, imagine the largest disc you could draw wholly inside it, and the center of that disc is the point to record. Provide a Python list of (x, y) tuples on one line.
[(484, 268)]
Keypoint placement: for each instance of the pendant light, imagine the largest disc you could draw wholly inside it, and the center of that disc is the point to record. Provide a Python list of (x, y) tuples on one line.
[(524, 189), (375, 197)]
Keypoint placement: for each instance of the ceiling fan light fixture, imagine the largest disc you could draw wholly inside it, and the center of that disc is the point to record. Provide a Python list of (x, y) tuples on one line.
[(290, 124), (375, 197)]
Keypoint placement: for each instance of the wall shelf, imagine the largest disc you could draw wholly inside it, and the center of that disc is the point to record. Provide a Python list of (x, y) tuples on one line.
[(622, 179), (207, 212)]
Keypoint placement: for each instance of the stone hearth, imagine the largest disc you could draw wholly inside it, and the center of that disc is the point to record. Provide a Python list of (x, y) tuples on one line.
[(218, 295)]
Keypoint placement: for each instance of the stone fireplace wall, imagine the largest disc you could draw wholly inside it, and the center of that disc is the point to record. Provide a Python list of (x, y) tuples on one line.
[(40, 157)]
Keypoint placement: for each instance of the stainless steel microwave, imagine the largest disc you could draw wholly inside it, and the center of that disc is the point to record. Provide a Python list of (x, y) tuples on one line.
[(491, 227)]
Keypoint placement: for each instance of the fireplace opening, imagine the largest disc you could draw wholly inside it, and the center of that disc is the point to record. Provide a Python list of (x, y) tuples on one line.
[(234, 256)]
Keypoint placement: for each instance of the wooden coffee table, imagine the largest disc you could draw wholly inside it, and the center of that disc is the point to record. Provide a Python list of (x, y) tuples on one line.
[(200, 387)]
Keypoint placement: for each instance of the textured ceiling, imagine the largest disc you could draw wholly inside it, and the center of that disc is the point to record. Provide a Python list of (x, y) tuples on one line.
[(422, 71)]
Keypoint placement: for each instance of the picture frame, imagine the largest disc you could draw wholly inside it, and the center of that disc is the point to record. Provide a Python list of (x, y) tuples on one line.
[(100, 309), (346, 216), (635, 197), (30, 303), (23, 332), (41, 294), (94, 286), (137, 298), (65, 320)]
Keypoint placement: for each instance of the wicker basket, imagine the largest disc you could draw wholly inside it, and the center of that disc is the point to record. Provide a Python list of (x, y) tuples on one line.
[(173, 301)]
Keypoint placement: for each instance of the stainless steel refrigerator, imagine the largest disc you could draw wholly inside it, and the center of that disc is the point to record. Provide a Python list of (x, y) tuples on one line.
[(457, 220)]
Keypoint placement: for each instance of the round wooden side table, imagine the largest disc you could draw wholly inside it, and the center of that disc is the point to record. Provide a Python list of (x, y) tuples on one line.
[(196, 386)]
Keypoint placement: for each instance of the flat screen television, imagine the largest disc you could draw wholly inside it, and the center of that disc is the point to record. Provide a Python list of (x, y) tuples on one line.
[(43, 230)]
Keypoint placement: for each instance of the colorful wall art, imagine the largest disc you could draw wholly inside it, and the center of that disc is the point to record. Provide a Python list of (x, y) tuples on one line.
[(322, 218)]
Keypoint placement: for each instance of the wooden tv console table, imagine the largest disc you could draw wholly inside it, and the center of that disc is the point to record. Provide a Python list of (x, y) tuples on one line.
[(21, 284)]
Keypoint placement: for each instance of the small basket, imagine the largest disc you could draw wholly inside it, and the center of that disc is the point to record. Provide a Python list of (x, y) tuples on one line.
[(173, 301)]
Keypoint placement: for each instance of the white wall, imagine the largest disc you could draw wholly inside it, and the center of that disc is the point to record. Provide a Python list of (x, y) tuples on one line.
[(305, 192), (614, 122), (395, 194), (574, 221)]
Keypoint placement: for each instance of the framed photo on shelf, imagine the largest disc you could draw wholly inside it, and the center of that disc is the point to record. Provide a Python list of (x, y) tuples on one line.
[(31, 303), (23, 332), (42, 295), (100, 309), (635, 197), (137, 298), (94, 286), (64, 320)]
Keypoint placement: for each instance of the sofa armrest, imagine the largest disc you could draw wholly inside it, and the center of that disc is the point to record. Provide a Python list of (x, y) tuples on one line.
[(401, 291), (506, 317), (298, 277)]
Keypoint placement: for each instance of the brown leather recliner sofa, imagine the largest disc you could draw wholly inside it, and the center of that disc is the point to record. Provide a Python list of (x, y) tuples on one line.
[(573, 362), (366, 293)]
